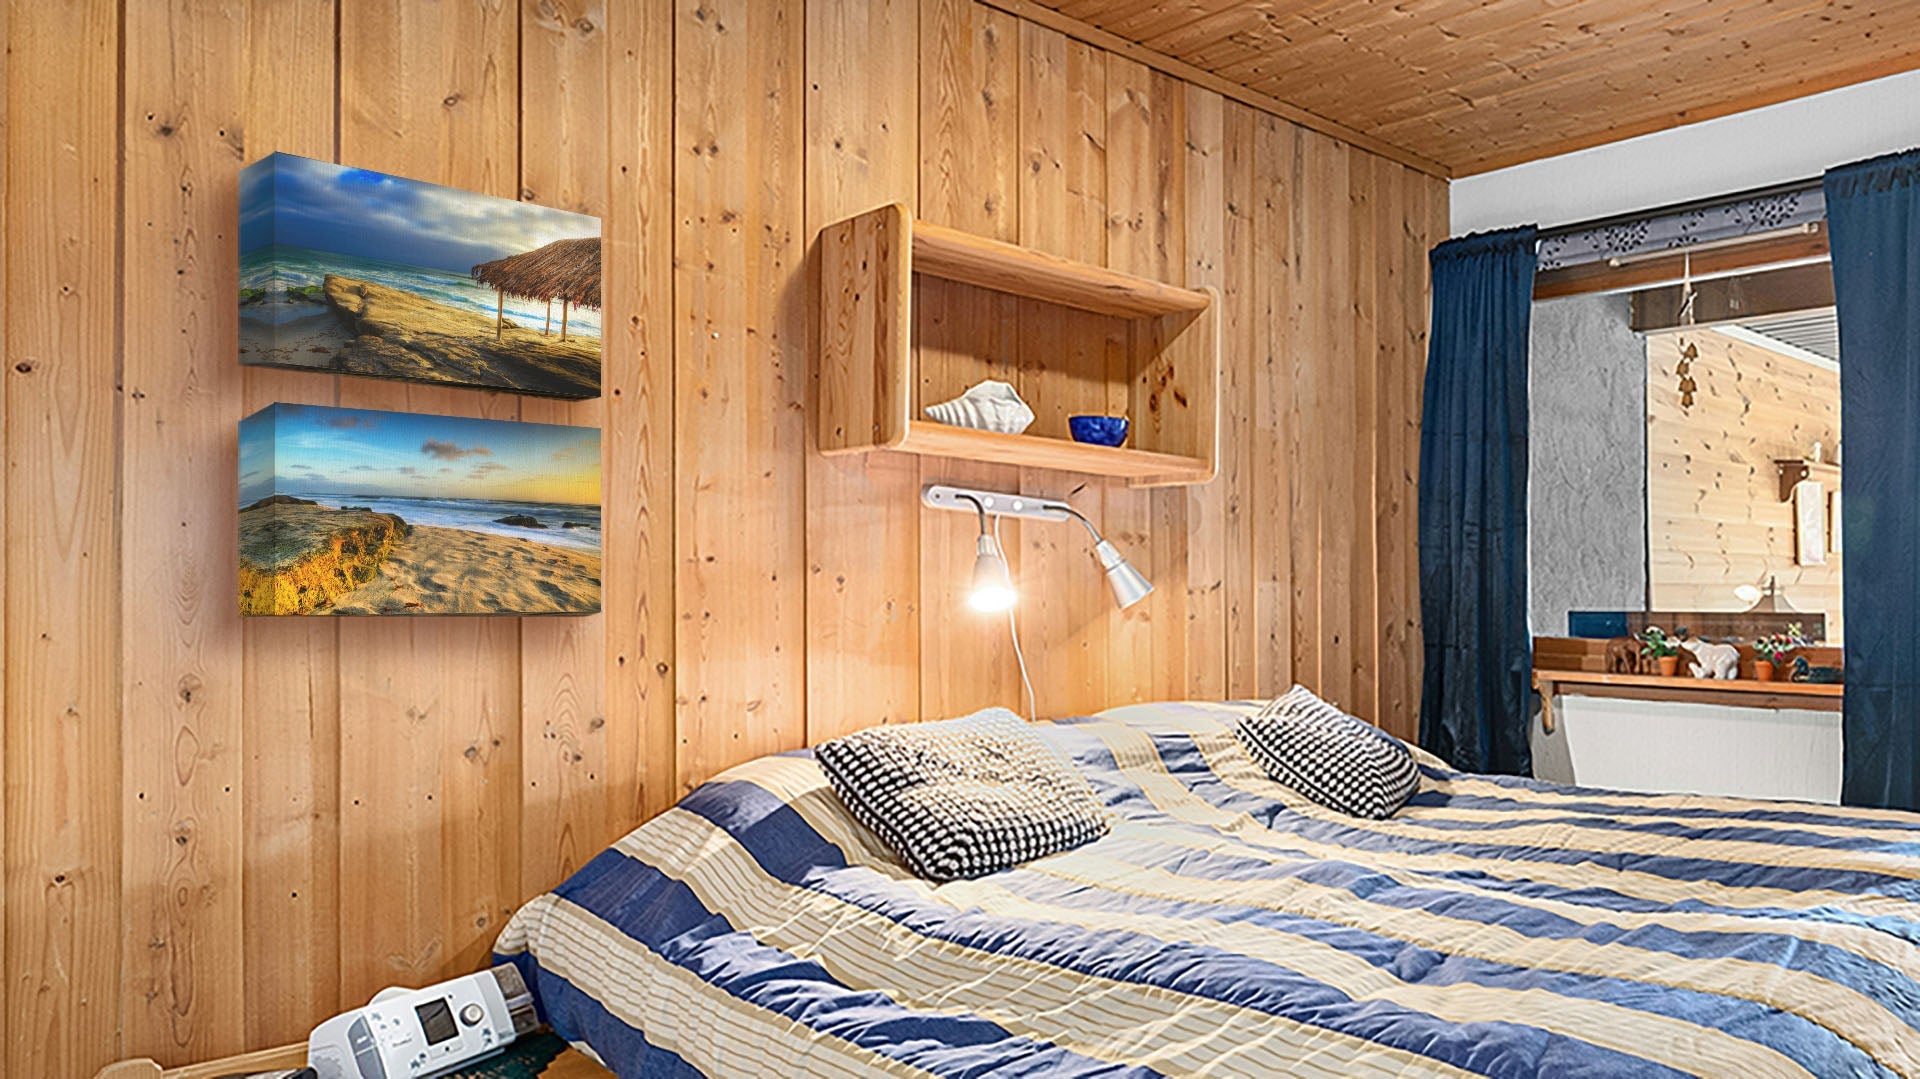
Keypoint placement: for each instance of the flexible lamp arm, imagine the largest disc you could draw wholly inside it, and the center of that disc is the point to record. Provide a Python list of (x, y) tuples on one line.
[(979, 507), (1078, 516)]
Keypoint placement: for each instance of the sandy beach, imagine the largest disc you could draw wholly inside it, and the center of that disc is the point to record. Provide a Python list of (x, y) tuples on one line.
[(454, 571), (311, 337), (298, 557)]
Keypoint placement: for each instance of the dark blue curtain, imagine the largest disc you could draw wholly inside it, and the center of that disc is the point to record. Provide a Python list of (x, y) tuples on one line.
[(1476, 700), (1873, 222)]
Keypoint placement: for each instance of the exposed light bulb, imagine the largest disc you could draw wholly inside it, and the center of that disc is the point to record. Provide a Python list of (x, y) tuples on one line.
[(992, 585), (992, 599)]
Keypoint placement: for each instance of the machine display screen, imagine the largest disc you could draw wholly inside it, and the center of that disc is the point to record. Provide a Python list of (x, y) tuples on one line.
[(436, 1020)]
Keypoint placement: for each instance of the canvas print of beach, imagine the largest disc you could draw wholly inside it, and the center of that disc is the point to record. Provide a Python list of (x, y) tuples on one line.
[(363, 273), (351, 511)]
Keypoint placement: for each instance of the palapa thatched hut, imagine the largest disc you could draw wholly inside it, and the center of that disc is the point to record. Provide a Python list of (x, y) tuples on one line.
[(564, 270)]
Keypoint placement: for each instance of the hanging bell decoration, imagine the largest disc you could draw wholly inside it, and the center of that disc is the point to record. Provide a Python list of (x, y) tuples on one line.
[(1689, 352)]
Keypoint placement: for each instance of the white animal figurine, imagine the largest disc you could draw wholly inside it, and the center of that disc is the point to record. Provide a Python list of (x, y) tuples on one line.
[(1721, 661)]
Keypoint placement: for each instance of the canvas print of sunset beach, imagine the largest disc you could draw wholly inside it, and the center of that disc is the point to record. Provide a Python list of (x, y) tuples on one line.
[(351, 511), (362, 273)]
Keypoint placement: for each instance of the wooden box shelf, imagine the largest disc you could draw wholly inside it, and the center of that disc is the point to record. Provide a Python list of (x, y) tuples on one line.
[(1156, 347)]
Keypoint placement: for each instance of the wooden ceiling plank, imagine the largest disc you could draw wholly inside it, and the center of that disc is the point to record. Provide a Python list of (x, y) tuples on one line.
[(1387, 31), (1119, 17), (1470, 69), (1290, 38), (1502, 27), (1178, 23), (1637, 101), (1144, 26), (1092, 35), (1587, 60), (1480, 83), (1341, 73), (1502, 158), (1510, 25), (1232, 24), (1339, 31), (1640, 91)]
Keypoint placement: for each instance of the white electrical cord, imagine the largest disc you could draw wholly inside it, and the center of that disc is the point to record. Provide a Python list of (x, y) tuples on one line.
[(1013, 631)]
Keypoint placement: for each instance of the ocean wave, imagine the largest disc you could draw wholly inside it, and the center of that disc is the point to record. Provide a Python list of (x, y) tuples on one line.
[(483, 515)]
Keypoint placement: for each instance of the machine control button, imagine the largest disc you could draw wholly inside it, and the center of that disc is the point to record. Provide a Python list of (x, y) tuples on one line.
[(472, 1014)]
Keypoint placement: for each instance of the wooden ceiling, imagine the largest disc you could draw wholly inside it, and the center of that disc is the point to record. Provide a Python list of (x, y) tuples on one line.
[(1480, 84)]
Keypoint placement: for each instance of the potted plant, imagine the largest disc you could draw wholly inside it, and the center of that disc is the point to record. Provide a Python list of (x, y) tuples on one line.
[(1771, 649), (1662, 649)]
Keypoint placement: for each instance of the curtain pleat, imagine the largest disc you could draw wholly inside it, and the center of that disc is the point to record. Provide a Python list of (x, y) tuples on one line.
[(1873, 222), (1476, 700)]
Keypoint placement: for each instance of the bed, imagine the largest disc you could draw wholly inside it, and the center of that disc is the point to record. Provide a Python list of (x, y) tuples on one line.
[(1226, 926)]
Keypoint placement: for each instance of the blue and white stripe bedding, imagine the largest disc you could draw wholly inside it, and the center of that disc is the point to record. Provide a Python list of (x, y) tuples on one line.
[(1229, 927)]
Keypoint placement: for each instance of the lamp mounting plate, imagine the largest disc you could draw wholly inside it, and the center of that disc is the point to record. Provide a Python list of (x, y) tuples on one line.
[(998, 503)]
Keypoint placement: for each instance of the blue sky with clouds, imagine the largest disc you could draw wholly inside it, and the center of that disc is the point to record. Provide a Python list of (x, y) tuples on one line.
[(309, 449), (305, 203)]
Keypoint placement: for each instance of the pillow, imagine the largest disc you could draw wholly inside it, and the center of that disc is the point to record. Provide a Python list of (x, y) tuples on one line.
[(1341, 762), (962, 798)]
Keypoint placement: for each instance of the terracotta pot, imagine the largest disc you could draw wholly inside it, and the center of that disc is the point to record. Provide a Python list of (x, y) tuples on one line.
[(1763, 670), (1668, 665)]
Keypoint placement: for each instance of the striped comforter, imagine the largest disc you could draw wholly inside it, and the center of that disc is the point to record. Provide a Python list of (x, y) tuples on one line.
[(1226, 927)]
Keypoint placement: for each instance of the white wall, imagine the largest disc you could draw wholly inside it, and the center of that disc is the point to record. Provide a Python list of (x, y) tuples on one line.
[(1794, 140)]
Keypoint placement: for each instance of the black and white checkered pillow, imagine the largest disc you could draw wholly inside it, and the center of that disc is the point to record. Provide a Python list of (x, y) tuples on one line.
[(962, 798), (1341, 762)]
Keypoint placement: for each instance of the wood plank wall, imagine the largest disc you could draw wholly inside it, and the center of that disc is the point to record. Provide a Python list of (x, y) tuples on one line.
[(1715, 520), (217, 832)]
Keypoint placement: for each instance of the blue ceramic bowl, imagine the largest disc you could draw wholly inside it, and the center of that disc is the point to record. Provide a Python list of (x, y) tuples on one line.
[(1099, 430)]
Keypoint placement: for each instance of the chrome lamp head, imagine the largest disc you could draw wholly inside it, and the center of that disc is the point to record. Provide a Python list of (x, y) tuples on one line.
[(1129, 585)]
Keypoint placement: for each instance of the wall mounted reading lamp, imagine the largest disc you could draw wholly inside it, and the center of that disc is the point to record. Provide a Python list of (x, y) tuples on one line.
[(992, 588)]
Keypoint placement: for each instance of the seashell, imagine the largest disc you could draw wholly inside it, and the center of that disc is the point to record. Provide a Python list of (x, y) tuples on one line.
[(990, 406)]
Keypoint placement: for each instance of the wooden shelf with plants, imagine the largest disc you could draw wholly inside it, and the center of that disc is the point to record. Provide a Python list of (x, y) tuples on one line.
[(1088, 339)]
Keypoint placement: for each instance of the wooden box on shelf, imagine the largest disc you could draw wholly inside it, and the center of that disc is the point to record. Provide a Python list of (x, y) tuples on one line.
[(1141, 347)]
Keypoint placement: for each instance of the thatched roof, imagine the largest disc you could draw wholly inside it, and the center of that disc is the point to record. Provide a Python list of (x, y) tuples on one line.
[(562, 270)]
